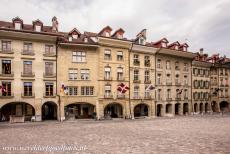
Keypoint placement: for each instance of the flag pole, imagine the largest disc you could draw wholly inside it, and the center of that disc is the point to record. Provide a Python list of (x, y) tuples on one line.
[(130, 110)]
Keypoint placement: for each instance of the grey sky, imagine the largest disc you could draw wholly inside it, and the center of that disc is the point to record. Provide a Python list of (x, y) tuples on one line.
[(204, 24)]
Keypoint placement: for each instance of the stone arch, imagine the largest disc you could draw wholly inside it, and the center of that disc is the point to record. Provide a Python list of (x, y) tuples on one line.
[(49, 110), (168, 108), (201, 107), (141, 109), (185, 108), (17, 109), (159, 110), (177, 108), (114, 110), (195, 107), (80, 110), (214, 106), (224, 106)]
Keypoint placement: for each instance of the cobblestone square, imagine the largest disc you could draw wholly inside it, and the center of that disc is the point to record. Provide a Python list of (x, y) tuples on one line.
[(188, 134)]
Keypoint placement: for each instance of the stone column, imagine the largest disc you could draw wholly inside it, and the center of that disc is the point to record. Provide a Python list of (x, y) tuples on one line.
[(38, 108)]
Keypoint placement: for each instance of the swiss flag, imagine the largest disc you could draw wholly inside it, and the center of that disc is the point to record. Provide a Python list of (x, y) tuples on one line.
[(122, 88)]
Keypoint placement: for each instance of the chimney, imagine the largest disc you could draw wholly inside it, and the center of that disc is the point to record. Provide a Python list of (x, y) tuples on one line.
[(54, 24), (201, 51)]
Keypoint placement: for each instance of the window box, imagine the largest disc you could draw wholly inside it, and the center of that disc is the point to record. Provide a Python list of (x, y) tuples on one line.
[(147, 81)]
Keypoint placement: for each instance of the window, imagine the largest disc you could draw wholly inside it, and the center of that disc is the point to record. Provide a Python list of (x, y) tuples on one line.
[(107, 90), (107, 73), (49, 89), (185, 80), (177, 67), (6, 45), (142, 41), (75, 36), (107, 55), (119, 73), (79, 56), (72, 91), (185, 67), (27, 88), (136, 75), (38, 28), (27, 67), (17, 26), (185, 94), (147, 92), (168, 95), (177, 79), (48, 68), (159, 94), (6, 88), (164, 45), (136, 59), (84, 74), (168, 67), (147, 61), (49, 49), (136, 91), (107, 34), (177, 93), (6, 67), (119, 55), (158, 63), (168, 79), (87, 91), (147, 76), (72, 74), (27, 48), (158, 79), (70, 38)]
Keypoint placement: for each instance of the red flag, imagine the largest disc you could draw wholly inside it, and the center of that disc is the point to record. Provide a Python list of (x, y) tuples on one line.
[(122, 88), (180, 91)]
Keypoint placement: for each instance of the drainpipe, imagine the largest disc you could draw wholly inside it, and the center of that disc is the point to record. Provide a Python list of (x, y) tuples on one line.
[(130, 110), (59, 97), (156, 79), (191, 71)]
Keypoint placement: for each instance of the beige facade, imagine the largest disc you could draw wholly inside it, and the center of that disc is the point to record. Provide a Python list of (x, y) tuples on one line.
[(46, 74)]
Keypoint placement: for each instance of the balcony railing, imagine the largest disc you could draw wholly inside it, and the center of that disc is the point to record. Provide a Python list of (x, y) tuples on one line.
[(4, 74), (147, 81), (49, 75), (28, 95), (49, 54), (136, 81), (27, 74), (121, 96), (6, 51), (28, 52), (108, 96), (6, 95), (108, 78)]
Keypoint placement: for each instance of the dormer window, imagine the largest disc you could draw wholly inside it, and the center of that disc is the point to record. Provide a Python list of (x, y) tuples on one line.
[(176, 47), (107, 34), (119, 36), (75, 36), (142, 41), (70, 39), (184, 48), (163, 44), (38, 28), (17, 26), (85, 40)]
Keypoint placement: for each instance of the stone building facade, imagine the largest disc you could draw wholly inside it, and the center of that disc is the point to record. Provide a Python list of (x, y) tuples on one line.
[(47, 74)]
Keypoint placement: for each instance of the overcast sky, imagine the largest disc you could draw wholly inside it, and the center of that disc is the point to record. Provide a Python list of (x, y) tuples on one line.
[(200, 23)]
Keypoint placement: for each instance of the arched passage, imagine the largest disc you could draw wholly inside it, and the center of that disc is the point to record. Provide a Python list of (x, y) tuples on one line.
[(114, 110), (224, 106), (214, 106), (159, 110), (80, 111), (177, 108), (49, 111), (141, 110), (168, 108), (195, 107), (17, 109), (185, 108), (201, 107)]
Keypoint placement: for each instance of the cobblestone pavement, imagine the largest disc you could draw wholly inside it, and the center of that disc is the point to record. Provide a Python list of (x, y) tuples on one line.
[(181, 135)]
